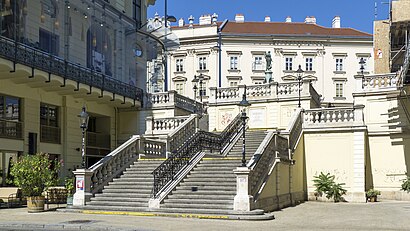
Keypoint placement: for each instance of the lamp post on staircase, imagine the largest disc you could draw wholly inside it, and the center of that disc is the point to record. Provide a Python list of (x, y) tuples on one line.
[(243, 105)]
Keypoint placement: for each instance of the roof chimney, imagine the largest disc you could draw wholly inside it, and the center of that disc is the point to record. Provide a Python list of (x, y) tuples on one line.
[(267, 18), (181, 22), (205, 19), (191, 21), (336, 22), (214, 18), (310, 20), (239, 18), (288, 19)]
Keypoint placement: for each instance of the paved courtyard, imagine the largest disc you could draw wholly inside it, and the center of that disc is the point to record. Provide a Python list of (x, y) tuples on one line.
[(387, 215)]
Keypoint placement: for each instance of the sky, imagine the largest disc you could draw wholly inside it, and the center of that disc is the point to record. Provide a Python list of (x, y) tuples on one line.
[(357, 14)]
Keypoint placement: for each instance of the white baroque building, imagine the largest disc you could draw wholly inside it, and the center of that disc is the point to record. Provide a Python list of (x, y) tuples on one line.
[(329, 57)]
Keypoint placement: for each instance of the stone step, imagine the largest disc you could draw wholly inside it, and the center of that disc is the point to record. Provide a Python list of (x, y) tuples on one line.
[(121, 180), (200, 201), (120, 199), (214, 176), (198, 206), (126, 186), (209, 179), (199, 188), (202, 196), (121, 195), (203, 192), (193, 183), (118, 204), (136, 191), (130, 183)]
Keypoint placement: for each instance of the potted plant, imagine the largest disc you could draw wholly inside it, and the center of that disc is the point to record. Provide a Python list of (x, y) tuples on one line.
[(33, 174), (69, 186), (372, 194)]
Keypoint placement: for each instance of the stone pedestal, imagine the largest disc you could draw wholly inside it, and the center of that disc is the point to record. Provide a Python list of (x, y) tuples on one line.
[(268, 76), (243, 201), (82, 187)]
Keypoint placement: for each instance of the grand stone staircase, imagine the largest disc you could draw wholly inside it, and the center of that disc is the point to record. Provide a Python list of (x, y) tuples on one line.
[(131, 191), (211, 185)]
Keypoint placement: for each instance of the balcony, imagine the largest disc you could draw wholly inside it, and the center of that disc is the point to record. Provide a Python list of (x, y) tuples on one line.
[(20, 53), (11, 129), (98, 140), (50, 134)]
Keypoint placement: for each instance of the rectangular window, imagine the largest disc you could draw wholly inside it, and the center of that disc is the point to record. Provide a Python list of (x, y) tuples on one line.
[(49, 115), (202, 63), (234, 63), (259, 82), (49, 42), (309, 64), (202, 89), (180, 65), (339, 64), (233, 83), (49, 129), (258, 63), (288, 63), (339, 90), (179, 87), (9, 108)]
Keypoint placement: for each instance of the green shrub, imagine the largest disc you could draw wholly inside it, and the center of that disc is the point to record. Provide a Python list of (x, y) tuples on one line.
[(405, 186), (34, 173), (325, 184), (372, 193), (69, 185)]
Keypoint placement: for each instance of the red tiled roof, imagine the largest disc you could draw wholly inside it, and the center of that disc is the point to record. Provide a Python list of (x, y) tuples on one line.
[(286, 28)]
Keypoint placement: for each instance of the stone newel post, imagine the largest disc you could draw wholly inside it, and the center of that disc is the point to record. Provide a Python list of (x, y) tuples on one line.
[(243, 201), (82, 187)]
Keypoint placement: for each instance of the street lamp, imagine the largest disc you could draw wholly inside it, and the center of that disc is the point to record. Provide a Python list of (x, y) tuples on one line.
[(83, 117), (243, 105), (199, 78), (195, 88), (299, 73)]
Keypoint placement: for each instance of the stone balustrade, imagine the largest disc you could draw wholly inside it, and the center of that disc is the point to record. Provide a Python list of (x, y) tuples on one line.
[(377, 82), (380, 81), (271, 91), (333, 117), (173, 99), (157, 126), (92, 180)]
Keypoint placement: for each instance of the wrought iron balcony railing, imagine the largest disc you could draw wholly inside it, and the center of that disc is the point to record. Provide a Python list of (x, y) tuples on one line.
[(35, 58), (50, 134), (11, 129)]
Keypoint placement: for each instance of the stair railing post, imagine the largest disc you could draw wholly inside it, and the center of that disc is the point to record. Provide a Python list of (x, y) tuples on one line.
[(82, 187), (243, 201)]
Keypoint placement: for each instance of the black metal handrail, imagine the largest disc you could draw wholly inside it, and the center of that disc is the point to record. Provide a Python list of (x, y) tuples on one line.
[(197, 142), (170, 168), (233, 127), (35, 58)]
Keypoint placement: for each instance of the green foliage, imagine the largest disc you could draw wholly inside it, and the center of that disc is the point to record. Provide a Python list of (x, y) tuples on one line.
[(325, 184), (336, 192), (372, 193), (405, 186), (69, 185), (34, 173)]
